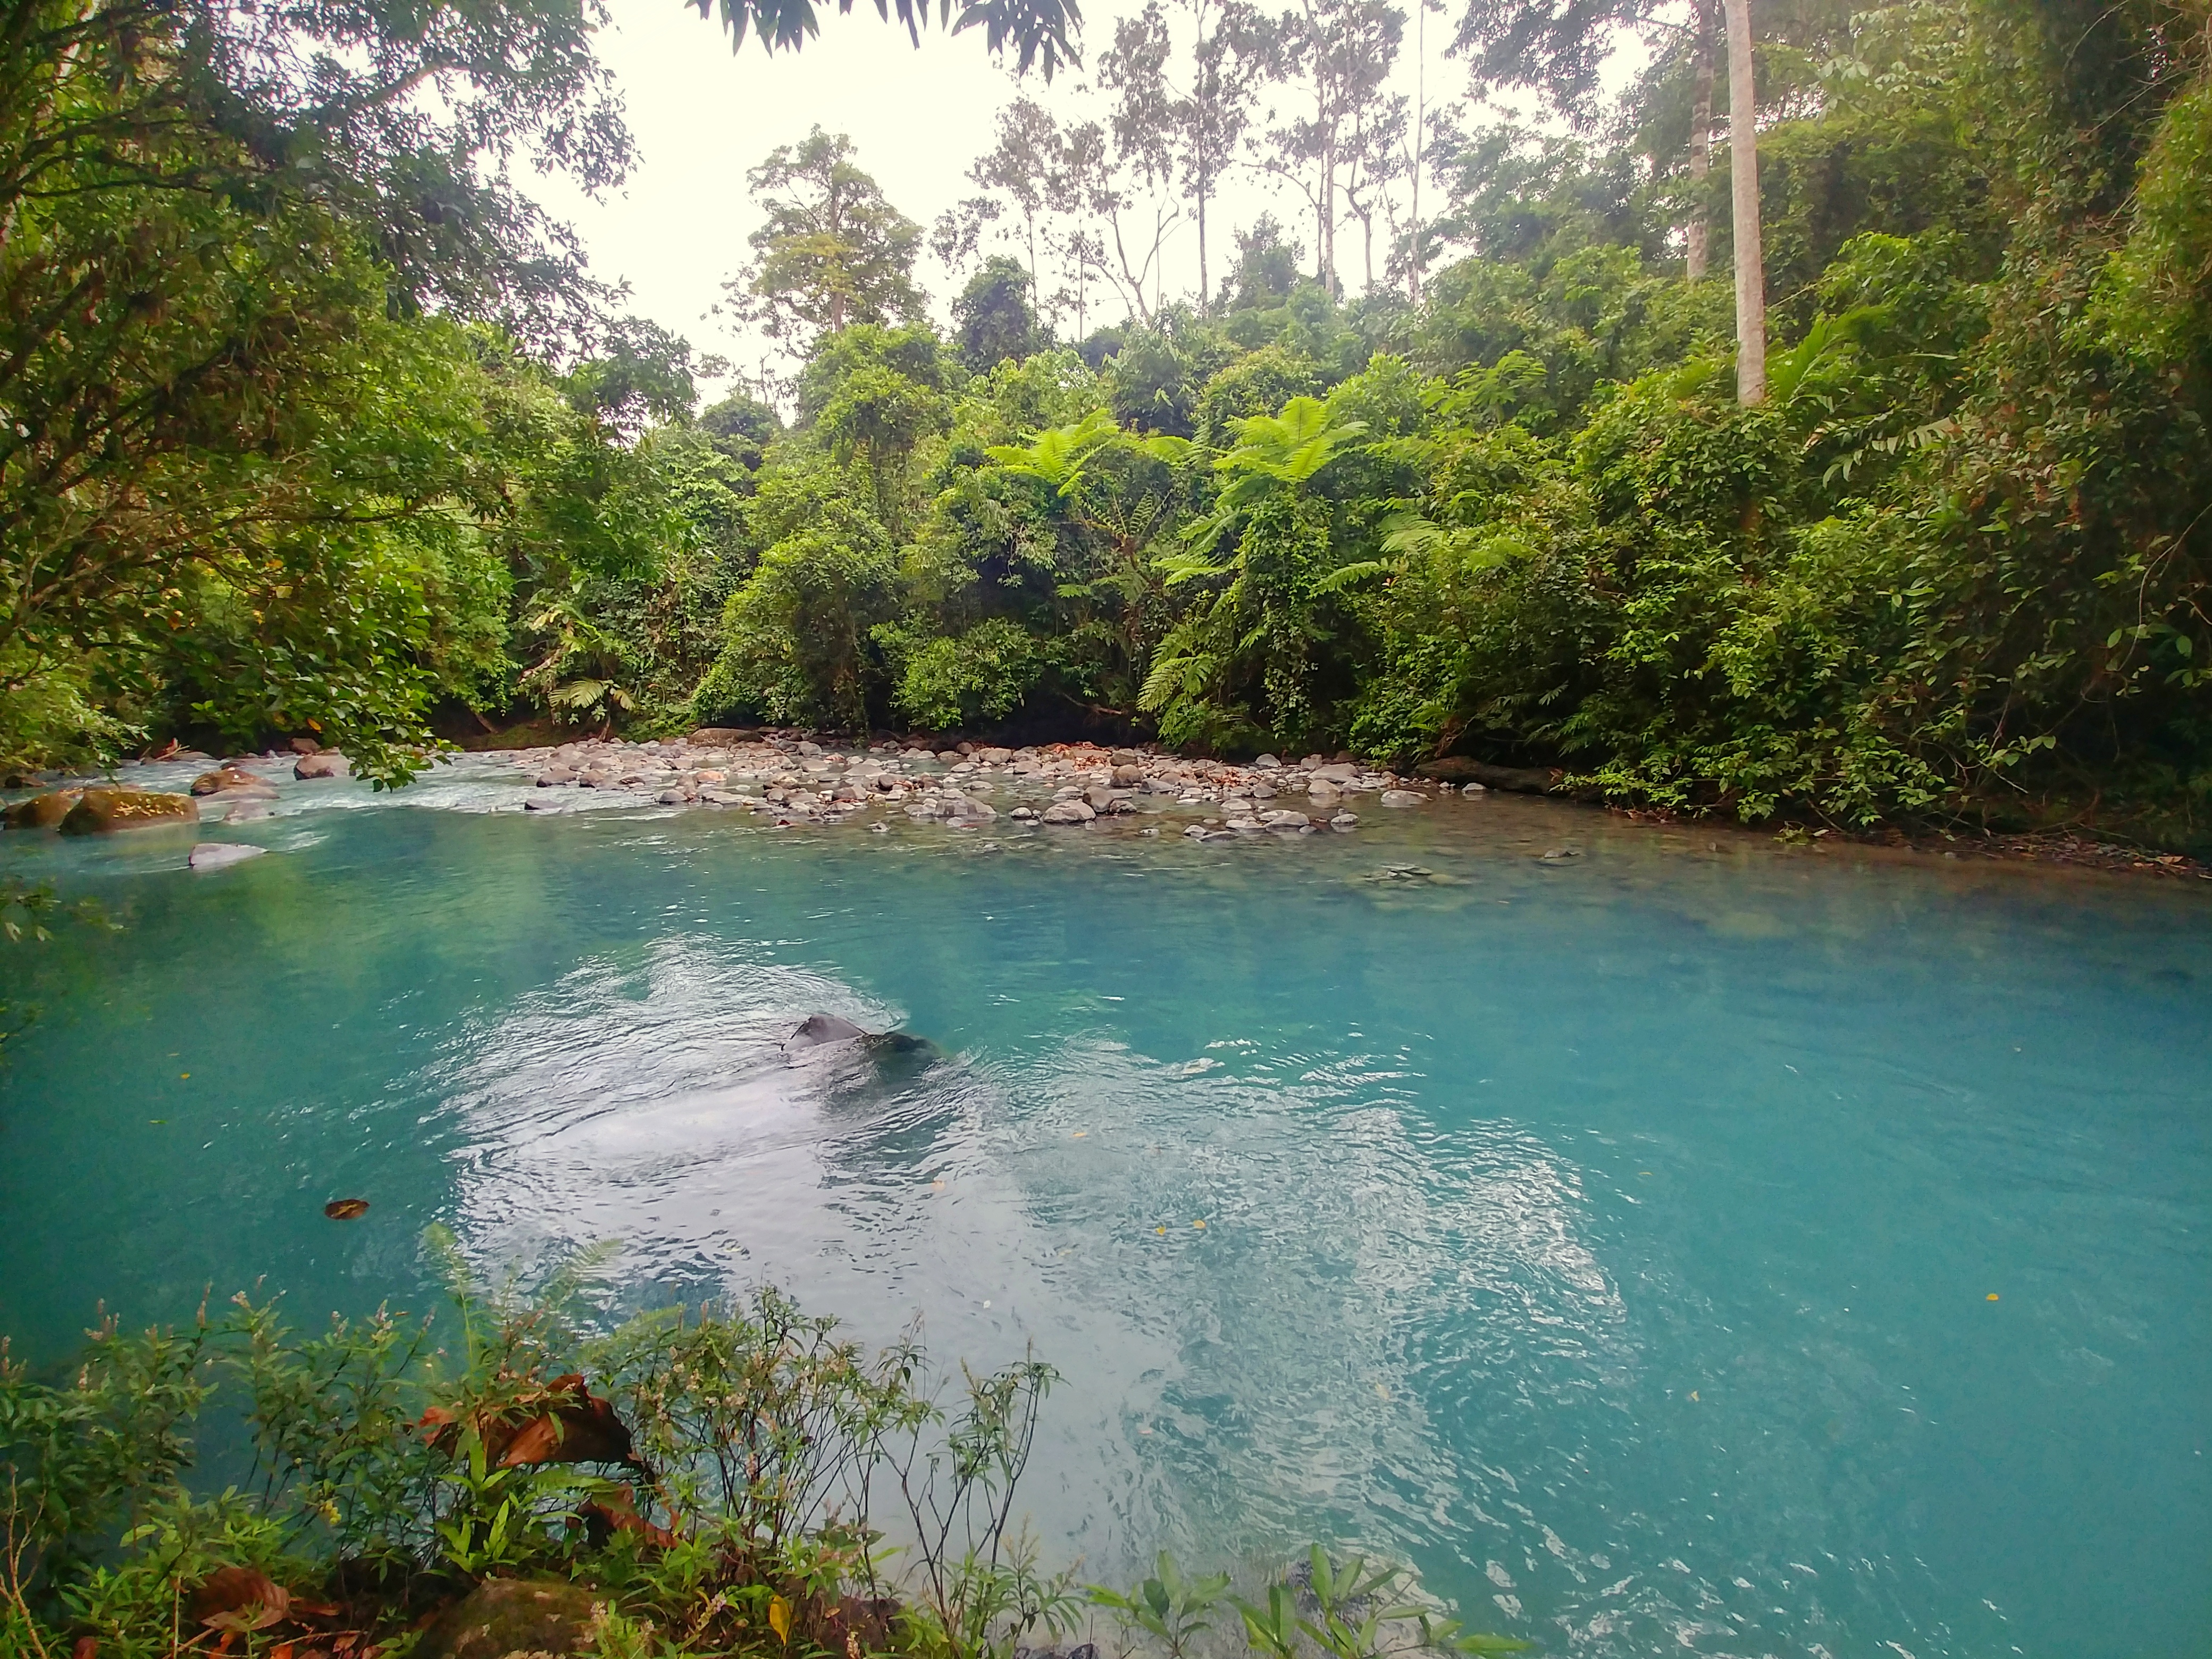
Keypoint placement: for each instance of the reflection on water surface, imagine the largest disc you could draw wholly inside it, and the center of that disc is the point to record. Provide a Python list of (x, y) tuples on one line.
[(1612, 1234)]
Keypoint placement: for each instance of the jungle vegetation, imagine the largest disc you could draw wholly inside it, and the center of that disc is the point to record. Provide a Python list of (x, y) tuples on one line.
[(717, 1479), (312, 424)]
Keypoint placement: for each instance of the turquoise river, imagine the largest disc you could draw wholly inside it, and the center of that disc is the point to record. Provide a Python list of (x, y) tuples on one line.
[(1693, 1244)]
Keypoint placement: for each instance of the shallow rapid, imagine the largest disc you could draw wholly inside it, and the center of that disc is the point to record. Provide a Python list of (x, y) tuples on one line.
[(1678, 1241)]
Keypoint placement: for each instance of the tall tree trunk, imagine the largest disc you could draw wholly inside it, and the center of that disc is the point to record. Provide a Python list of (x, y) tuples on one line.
[(1204, 133), (1743, 175), (1701, 144), (1420, 138), (1205, 293), (1325, 183)]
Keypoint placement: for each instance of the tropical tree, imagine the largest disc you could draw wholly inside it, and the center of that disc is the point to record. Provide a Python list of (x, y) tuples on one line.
[(830, 252), (236, 459), (1343, 52), (1743, 181), (1559, 48), (994, 320), (1191, 121), (796, 636), (1025, 167), (1244, 660)]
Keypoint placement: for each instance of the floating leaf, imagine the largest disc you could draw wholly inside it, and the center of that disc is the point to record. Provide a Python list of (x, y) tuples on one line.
[(346, 1209)]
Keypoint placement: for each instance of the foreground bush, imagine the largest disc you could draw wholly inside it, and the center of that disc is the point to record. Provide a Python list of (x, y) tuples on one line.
[(711, 1480)]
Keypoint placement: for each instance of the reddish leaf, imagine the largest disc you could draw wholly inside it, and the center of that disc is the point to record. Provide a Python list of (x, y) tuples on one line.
[(537, 1441), (346, 1209), (233, 1599), (618, 1510), (565, 1423)]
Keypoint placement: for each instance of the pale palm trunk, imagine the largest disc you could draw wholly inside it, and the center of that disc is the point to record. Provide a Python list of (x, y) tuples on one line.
[(1743, 176)]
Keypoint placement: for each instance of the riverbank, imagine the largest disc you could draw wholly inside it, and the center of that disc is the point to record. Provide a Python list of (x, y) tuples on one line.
[(790, 777)]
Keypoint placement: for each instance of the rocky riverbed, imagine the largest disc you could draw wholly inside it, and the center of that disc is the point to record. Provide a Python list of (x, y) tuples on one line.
[(783, 777), (793, 777)]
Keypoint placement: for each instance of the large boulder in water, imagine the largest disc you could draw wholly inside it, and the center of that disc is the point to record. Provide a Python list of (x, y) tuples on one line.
[(817, 1029), (821, 1030), (231, 780), (502, 1616), (328, 764), (43, 811), (102, 811)]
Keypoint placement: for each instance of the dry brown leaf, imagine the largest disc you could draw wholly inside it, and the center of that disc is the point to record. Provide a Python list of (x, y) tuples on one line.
[(232, 1599)]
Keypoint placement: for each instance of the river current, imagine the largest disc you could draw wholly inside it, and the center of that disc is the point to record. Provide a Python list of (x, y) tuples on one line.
[(1687, 1244)]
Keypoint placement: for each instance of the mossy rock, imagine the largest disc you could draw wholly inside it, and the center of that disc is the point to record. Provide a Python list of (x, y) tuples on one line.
[(101, 812), (512, 1615), (43, 811)]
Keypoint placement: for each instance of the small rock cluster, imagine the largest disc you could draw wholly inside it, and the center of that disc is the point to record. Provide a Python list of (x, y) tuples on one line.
[(793, 777), (229, 792)]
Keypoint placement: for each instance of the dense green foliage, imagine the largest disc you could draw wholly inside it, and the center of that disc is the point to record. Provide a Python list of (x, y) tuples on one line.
[(722, 1481), (1949, 571)]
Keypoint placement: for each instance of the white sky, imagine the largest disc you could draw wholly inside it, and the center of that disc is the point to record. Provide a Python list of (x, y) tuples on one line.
[(918, 116)]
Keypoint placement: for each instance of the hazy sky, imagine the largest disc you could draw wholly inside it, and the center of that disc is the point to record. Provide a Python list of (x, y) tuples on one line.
[(919, 117)]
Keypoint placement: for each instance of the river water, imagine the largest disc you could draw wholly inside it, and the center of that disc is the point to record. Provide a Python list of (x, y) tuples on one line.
[(1689, 1242)]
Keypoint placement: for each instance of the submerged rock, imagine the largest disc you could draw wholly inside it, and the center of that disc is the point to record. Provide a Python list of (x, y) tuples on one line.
[(221, 854), (103, 811), (43, 811)]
